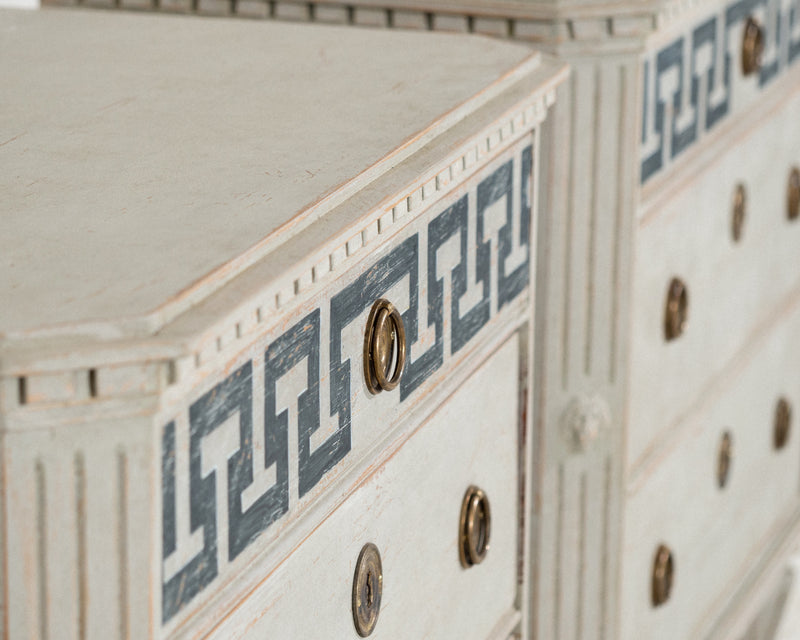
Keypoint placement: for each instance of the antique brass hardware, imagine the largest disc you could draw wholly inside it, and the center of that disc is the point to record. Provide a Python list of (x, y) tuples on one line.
[(783, 423), (752, 47), (384, 347), (677, 311), (474, 528), (663, 574), (367, 590), (739, 211), (793, 195), (724, 459)]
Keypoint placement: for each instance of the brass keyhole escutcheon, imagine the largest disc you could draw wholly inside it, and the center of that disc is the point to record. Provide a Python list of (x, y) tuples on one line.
[(783, 424), (367, 590), (793, 195), (752, 46), (475, 527), (663, 575), (677, 309), (739, 211), (384, 347), (724, 459)]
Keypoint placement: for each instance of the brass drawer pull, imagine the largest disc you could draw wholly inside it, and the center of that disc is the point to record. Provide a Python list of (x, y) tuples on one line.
[(739, 211), (783, 424), (793, 195), (677, 310), (752, 47), (367, 590), (475, 527), (724, 459), (384, 347), (663, 575)]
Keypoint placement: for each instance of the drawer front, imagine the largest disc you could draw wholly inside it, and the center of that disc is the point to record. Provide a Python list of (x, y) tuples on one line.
[(694, 79), (734, 287), (250, 445), (409, 508), (716, 533)]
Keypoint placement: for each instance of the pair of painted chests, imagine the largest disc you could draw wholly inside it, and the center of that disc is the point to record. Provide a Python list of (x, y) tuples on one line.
[(335, 332)]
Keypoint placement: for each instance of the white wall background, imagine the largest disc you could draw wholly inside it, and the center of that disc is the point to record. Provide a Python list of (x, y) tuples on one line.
[(20, 4)]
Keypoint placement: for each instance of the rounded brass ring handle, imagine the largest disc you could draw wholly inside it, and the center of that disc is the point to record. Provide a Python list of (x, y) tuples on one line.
[(724, 459), (663, 575), (793, 195), (677, 310), (384, 347), (752, 46), (475, 527), (782, 424), (739, 211)]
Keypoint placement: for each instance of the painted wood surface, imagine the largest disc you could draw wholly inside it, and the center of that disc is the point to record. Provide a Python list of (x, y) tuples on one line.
[(409, 508), (77, 530), (142, 186), (693, 80), (717, 534), (595, 318), (735, 288), (274, 350), (454, 283), (584, 253)]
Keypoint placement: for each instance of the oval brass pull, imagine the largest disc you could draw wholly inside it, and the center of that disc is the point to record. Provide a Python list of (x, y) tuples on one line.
[(384, 347), (724, 459), (367, 590), (739, 211), (783, 424), (793, 195), (475, 527), (677, 310), (752, 46), (663, 575)]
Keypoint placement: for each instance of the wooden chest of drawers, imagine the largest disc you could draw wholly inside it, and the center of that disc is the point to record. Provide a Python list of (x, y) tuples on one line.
[(223, 244), (665, 305)]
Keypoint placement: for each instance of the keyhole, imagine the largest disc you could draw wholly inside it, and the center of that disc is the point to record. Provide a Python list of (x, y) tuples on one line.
[(370, 592)]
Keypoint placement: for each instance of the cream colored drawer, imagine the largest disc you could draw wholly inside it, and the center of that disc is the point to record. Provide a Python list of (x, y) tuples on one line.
[(735, 288), (301, 392), (409, 507), (718, 535)]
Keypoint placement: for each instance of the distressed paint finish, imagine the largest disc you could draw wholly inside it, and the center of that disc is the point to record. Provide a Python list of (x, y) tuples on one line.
[(721, 539), (744, 284), (476, 262), (408, 506), (157, 469), (694, 82), (585, 245)]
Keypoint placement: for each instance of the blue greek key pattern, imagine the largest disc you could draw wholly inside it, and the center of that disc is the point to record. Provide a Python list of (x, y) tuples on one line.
[(249, 449), (690, 84)]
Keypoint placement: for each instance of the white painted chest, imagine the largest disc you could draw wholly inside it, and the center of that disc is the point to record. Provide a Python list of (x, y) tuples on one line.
[(267, 329), (664, 447)]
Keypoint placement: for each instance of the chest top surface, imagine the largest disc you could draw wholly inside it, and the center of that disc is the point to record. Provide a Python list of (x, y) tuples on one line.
[(143, 153)]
